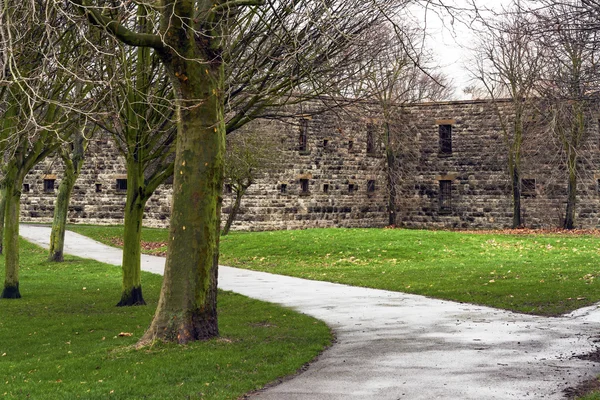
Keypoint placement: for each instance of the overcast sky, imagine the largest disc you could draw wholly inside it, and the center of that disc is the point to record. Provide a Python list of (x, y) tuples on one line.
[(450, 37)]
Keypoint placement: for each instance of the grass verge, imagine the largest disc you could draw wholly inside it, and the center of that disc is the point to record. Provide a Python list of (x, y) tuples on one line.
[(66, 339), (538, 274)]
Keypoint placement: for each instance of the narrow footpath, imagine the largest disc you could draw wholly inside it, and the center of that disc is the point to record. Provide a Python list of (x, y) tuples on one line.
[(394, 346)]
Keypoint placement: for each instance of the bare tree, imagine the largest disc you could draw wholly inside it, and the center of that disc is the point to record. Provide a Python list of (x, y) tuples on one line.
[(33, 124), (194, 41), (573, 51), (248, 156), (510, 65), (395, 70)]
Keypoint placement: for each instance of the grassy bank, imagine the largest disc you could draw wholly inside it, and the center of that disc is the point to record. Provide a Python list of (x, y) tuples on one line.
[(66, 339), (538, 274)]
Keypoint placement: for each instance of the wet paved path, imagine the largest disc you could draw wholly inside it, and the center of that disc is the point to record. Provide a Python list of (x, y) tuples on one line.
[(398, 346)]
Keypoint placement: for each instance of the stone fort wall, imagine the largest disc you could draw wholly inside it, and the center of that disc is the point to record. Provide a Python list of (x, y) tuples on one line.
[(338, 178)]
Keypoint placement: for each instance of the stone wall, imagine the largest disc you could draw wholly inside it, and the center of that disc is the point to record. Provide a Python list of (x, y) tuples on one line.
[(336, 182), (481, 196)]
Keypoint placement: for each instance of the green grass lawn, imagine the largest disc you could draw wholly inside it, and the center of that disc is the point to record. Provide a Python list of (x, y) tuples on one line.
[(65, 339), (538, 274)]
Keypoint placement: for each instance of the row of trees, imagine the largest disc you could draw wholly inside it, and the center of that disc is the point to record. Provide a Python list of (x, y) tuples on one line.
[(544, 57), (168, 82)]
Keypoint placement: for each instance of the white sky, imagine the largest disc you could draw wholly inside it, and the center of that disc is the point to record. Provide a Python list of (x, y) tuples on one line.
[(450, 37)]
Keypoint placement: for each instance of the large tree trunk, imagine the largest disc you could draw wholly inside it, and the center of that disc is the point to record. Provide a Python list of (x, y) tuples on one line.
[(234, 210), (187, 308), (132, 236), (11, 239), (571, 191)]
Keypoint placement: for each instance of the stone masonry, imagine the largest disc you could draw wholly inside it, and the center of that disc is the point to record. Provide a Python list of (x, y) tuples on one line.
[(336, 176)]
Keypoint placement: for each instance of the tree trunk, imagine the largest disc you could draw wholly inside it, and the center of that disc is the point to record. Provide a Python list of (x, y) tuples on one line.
[(61, 210), (11, 239), (187, 308), (2, 212), (234, 210), (516, 194), (391, 168), (132, 236), (73, 162), (391, 164), (571, 192)]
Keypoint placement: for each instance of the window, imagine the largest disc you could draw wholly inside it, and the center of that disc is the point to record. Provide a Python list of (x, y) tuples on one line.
[(528, 187), (121, 185), (283, 188), (228, 189), (351, 188), (304, 186), (445, 139), (326, 188), (370, 139), (302, 139), (49, 185), (325, 142), (350, 145), (370, 186), (26, 188), (445, 196), (98, 187)]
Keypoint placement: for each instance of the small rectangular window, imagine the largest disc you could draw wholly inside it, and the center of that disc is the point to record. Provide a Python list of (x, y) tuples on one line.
[(49, 185), (98, 187), (325, 142), (121, 185), (370, 186), (445, 196), (445, 132), (228, 189), (283, 188), (528, 187), (303, 137), (350, 145), (351, 188), (26, 188), (370, 139), (304, 186), (326, 188)]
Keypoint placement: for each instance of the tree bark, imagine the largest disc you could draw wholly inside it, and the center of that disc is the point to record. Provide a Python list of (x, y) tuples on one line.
[(187, 308), (2, 212), (73, 164), (132, 236), (234, 210), (11, 238)]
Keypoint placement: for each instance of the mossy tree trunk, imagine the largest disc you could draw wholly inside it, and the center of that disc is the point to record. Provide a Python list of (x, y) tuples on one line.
[(187, 309), (73, 162), (11, 236), (134, 212), (2, 212)]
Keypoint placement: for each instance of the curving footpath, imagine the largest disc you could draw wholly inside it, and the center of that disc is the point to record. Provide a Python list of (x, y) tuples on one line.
[(394, 346)]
